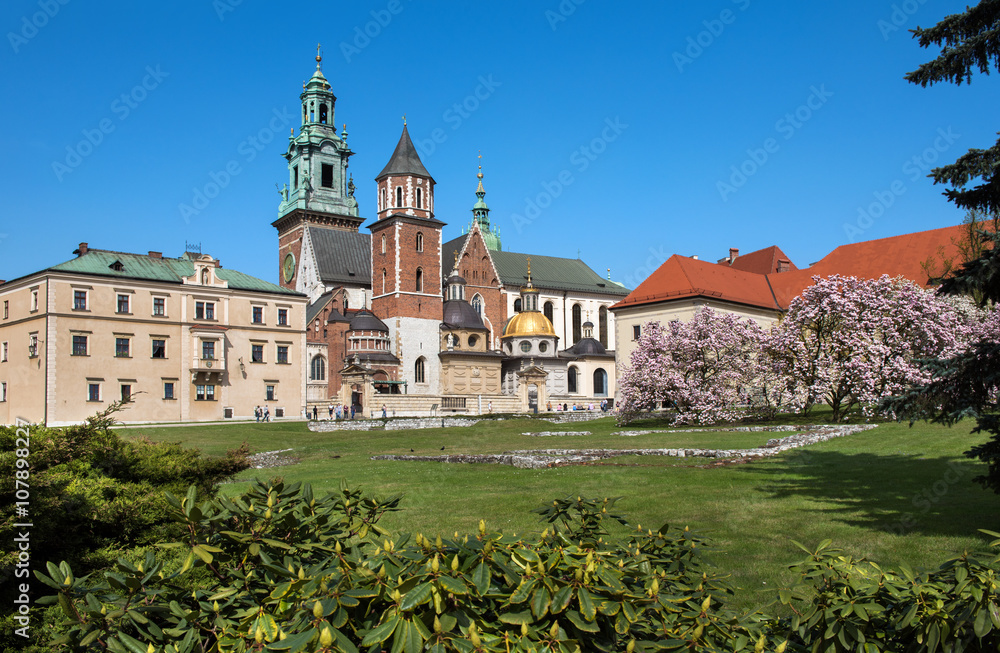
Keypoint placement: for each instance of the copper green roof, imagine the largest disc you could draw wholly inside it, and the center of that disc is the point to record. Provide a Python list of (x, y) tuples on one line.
[(123, 265)]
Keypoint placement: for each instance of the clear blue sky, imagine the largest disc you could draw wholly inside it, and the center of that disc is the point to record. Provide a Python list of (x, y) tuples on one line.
[(622, 122)]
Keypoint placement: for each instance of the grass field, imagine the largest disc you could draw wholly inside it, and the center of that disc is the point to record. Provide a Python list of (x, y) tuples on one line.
[(893, 494)]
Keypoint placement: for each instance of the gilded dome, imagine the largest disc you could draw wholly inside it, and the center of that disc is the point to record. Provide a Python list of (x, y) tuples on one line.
[(531, 323)]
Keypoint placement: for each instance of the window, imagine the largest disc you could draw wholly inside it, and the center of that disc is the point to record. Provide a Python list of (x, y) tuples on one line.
[(322, 115), (269, 392), (159, 306), (204, 310), (571, 379), (473, 339), (3, 352), (326, 175), (399, 196), (126, 393), (32, 345), (600, 383), (123, 303), (525, 346), (383, 243), (6, 309), (420, 199), (159, 348), (282, 354), (420, 242), (547, 310), (383, 204), (3, 391), (122, 347), (420, 280), (93, 392), (208, 349), (477, 304), (79, 346), (79, 300), (34, 300), (204, 393), (168, 389), (635, 332), (256, 353), (258, 314), (418, 370), (295, 177), (517, 305), (282, 317), (317, 369), (383, 281), (602, 325), (577, 323), (543, 347)]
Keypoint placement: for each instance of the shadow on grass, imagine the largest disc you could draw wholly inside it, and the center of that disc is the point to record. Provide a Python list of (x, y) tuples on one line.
[(895, 493)]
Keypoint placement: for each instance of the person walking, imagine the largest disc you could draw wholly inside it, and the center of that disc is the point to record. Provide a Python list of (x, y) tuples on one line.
[(331, 411), (383, 411), (256, 413)]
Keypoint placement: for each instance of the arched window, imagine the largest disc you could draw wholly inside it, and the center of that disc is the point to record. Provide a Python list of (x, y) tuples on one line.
[(382, 200), (418, 370), (477, 304), (571, 379), (547, 310), (399, 196), (383, 243), (517, 305), (420, 198), (383, 281), (420, 238), (322, 113), (600, 383), (577, 323), (420, 280), (602, 324), (317, 369), (345, 305)]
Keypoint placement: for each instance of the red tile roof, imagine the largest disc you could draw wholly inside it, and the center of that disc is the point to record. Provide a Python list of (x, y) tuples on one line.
[(683, 277)]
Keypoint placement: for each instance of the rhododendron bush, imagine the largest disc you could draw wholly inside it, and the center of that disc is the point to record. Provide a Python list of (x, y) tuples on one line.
[(845, 342)]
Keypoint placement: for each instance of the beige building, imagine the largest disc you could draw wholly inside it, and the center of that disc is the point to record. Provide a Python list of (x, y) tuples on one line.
[(180, 339)]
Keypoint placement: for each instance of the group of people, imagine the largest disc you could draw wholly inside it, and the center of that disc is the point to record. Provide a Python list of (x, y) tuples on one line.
[(334, 412), (262, 413), (603, 406)]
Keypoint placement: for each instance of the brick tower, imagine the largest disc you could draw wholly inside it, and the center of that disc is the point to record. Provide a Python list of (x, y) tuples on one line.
[(406, 265)]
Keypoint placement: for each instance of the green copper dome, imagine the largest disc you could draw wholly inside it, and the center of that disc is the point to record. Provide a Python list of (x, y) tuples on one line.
[(481, 216)]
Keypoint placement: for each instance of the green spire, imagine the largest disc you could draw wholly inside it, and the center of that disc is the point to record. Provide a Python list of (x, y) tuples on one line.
[(481, 215)]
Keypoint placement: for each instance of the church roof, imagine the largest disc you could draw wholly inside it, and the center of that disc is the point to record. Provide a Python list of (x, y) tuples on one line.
[(342, 257), (365, 320), (404, 160), (459, 314), (101, 262), (313, 310)]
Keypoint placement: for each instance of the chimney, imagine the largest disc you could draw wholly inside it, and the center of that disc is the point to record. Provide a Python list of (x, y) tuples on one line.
[(784, 265), (83, 249), (153, 254), (695, 257), (733, 254)]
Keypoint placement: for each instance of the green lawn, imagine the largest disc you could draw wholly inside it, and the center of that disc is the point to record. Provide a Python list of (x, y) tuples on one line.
[(893, 494)]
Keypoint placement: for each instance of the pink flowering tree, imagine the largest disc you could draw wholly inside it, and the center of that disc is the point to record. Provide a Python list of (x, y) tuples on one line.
[(711, 368), (850, 342)]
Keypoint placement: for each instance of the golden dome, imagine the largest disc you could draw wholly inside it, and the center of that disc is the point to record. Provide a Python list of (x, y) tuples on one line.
[(530, 323)]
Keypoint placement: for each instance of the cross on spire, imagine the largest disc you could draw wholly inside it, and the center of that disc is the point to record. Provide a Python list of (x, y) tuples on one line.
[(319, 56)]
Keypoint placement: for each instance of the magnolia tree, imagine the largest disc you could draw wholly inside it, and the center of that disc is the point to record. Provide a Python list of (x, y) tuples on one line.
[(849, 342), (716, 366)]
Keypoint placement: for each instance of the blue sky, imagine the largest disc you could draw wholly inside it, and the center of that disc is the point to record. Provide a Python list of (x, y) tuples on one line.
[(622, 132)]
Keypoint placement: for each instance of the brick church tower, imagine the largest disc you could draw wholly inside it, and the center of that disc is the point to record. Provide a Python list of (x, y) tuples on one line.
[(406, 265), (319, 192)]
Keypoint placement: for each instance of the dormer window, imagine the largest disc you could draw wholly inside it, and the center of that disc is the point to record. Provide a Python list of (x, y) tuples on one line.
[(117, 266)]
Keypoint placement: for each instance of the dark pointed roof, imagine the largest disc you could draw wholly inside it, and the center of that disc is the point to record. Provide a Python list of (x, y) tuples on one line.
[(405, 160)]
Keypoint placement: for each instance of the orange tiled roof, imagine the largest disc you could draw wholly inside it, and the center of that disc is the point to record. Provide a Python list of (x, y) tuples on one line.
[(763, 261)]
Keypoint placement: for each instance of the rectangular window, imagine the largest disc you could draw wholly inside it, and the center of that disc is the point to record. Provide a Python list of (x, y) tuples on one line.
[(159, 306), (168, 390), (208, 349), (282, 353), (295, 178), (32, 345), (283, 316), (93, 392), (3, 391), (6, 309), (34, 300), (121, 347), (327, 176), (79, 345), (204, 310), (126, 393), (123, 301), (159, 348), (256, 353), (258, 314), (3, 352), (204, 393), (635, 332), (79, 300), (269, 393)]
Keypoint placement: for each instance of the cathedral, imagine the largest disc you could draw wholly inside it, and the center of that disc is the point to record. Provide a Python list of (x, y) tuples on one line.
[(398, 319)]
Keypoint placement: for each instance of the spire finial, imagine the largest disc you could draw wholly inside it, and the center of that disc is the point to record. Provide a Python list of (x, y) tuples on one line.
[(480, 175), (529, 271), (404, 120), (319, 56), (609, 274), (456, 259)]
